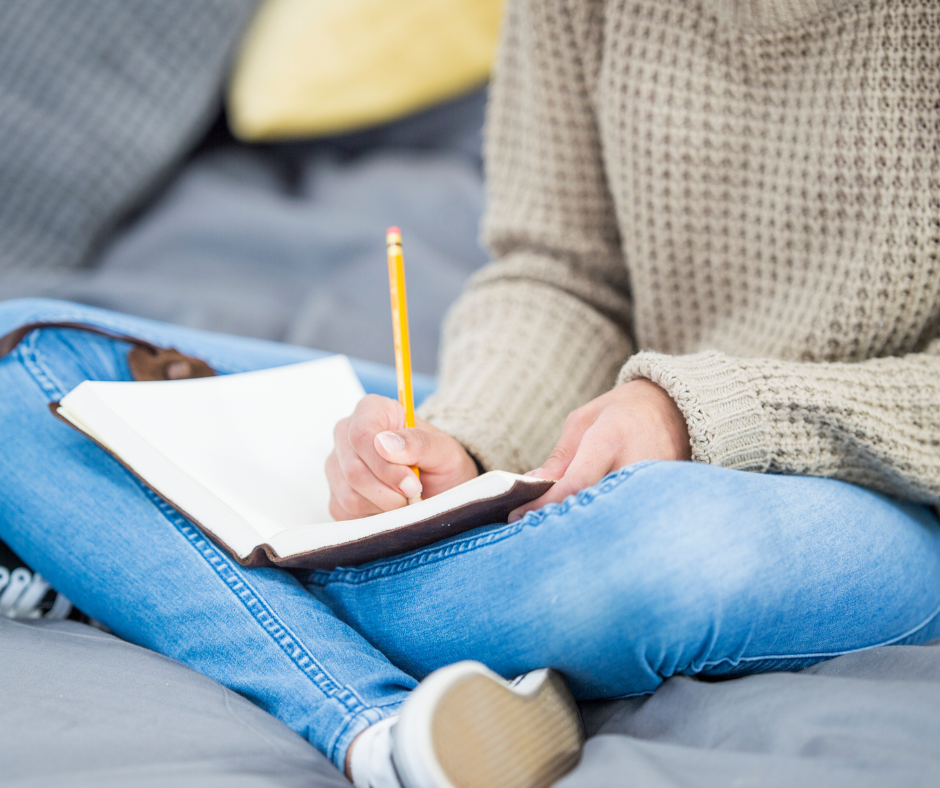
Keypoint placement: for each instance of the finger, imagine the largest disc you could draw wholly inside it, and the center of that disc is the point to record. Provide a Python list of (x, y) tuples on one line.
[(577, 423), (348, 498), (429, 450), (338, 513), (378, 415), (376, 480), (595, 458), (351, 503), (360, 479), (383, 483)]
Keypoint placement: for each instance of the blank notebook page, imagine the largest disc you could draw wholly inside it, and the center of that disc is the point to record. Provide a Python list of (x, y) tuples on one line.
[(257, 441)]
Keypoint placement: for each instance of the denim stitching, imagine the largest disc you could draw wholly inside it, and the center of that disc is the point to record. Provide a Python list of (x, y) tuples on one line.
[(30, 358), (279, 632), (154, 338), (824, 654), (259, 609), (234, 580), (350, 722), (431, 555)]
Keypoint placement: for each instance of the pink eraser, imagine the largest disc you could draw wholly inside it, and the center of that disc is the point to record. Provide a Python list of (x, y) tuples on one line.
[(395, 230)]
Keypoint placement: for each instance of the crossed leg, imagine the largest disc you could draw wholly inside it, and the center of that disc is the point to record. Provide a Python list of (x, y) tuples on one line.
[(662, 568)]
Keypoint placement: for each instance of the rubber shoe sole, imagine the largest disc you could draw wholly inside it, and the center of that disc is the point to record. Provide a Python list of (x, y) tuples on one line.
[(466, 727)]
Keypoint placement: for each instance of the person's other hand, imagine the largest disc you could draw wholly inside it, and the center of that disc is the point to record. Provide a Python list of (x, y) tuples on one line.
[(369, 468), (633, 422)]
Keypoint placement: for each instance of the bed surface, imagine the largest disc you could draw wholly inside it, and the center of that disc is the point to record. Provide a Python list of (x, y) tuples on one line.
[(82, 708)]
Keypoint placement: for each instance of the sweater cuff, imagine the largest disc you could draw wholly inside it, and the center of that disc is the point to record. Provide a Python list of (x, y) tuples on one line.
[(725, 419)]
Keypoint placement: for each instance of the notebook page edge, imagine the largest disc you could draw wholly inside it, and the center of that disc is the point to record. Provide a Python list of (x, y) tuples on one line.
[(119, 396), (158, 471), (299, 539)]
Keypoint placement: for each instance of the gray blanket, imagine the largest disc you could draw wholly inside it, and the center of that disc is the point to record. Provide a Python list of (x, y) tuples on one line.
[(81, 708), (866, 719)]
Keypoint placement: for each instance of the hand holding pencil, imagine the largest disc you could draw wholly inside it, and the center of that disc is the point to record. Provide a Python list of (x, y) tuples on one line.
[(374, 466)]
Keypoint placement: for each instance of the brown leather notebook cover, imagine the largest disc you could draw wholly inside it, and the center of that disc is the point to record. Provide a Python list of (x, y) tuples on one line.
[(381, 545)]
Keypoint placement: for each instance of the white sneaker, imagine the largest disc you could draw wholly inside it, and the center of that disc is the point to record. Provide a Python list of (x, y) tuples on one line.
[(26, 594), (466, 727)]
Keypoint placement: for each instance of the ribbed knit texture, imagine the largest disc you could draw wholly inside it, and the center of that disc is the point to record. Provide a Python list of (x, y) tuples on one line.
[(97, 101), (748, 191)]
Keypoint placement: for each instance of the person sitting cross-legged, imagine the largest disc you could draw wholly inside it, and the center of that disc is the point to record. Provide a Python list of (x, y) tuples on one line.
[(713, 318)]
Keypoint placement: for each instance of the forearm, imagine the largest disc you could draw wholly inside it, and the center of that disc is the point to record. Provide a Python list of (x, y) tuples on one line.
[(875, 423)]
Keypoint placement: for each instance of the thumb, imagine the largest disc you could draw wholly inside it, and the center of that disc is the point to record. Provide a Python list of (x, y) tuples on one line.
[(556, 464), (429, 451)]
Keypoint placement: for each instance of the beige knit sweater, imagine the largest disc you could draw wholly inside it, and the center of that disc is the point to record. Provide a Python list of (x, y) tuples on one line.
[(737, 199)]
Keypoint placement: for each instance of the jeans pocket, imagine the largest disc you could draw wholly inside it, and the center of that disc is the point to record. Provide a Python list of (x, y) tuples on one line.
[(60, 356)]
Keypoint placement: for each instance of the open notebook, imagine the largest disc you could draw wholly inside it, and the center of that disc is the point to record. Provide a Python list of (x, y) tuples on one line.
[(243, 457)]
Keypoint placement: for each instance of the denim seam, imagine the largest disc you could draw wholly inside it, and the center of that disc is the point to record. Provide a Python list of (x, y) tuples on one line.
[(256, 606), (823, 654), (350, 721), (434, 554), (279, 632), (97, 322), (30, 357)]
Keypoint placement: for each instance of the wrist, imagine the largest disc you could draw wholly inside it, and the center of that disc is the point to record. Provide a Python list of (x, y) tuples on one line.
[(724, 418), (667, 420)]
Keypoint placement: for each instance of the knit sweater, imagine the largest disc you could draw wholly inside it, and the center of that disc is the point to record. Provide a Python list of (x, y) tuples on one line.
[(736, 199)]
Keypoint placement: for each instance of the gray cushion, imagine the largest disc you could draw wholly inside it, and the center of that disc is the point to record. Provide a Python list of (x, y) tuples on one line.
[(78, 707), (97, 100), (866, 719), (82, 708)]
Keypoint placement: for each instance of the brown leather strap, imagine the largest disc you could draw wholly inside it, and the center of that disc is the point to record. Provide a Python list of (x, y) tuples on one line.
[(146, 360), (165, 364), (8, 342)]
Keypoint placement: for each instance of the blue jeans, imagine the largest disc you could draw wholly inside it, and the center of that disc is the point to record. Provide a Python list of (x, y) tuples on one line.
[(660, 569)]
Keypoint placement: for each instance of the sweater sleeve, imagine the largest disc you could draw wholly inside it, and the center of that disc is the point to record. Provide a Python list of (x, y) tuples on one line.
[(543, 329), (875, 423)]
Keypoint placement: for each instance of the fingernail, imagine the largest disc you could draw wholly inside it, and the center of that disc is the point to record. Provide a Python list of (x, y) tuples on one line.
[(392, 443), (410, 486), (513, 517), (535, 472)]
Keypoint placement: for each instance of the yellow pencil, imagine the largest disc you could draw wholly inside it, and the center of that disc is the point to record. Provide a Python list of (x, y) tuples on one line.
[(396, 286)]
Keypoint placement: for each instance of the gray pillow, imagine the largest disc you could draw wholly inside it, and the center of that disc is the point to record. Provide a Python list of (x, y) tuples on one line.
[(97, 101), (82, 708)]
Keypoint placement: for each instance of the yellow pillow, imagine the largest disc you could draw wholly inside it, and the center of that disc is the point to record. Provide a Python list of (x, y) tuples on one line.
[(312, 67)]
